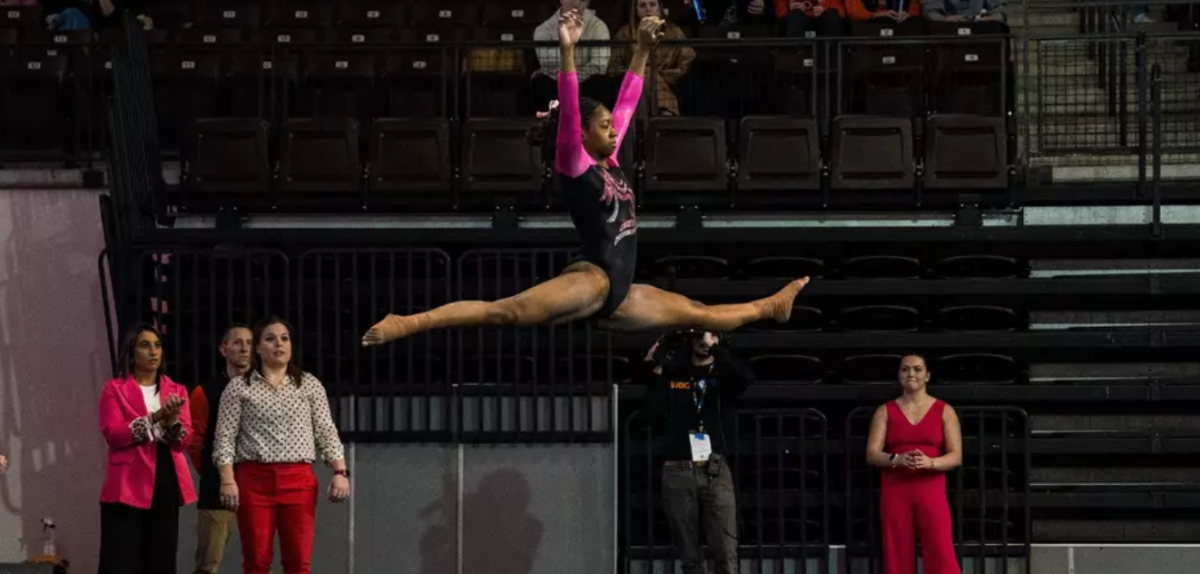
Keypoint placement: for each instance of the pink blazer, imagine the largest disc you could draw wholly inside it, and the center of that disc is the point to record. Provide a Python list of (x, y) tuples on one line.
[(129, 475)]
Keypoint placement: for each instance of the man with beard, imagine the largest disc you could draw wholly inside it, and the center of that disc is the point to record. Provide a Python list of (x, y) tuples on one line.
[(691, 392), (214, 523)]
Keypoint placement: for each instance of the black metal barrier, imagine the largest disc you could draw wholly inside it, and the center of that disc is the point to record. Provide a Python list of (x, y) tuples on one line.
[(989, 494), (780, 465)]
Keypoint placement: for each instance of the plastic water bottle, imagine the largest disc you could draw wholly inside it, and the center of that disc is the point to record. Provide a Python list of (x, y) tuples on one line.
[(49, 548)]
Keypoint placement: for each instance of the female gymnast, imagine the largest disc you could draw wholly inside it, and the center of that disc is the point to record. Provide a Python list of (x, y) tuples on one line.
[(601, 204)]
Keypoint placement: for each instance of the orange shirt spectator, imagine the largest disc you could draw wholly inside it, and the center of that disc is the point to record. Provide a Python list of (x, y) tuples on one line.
[(863, 10)]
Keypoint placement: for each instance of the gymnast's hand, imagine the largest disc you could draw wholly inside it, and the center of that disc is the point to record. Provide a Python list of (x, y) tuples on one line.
[(650, 31), (570, 28)]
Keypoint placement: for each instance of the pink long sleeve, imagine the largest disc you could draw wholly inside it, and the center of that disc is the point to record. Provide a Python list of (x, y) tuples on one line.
[(570, 159)]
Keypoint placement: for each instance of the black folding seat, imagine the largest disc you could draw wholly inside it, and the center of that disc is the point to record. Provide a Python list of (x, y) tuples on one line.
[(515, 14), (341, 84), (879, 318), (786, 267), (872, 153), (882, 267), (691, 267), (496, 77), (870, 369), (21, 18), (33, 102), (293, 15), (409, 155), (261, 83), (228, 156), (977, 318), (886, 78), (685, 155), (497, 157), (418, 80), (171, 15), (443, 15), (978, 266), (231, 14), (8, 37), (372, 14), (800, 369), (978, 368), (319, 156), (729, 81), (777, 153), (802, 76), (186, 88), (284, 38), (361, 35), (965, 152), (970, 74)]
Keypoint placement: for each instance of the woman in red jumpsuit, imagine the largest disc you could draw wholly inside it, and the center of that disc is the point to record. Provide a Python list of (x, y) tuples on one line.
[(915, 439)]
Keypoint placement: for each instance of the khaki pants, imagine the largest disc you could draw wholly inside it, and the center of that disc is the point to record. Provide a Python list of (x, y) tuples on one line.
[(213, 529)]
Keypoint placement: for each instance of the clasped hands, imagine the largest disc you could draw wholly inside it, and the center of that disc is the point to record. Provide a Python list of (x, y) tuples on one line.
[(169, 413), (914, 460)]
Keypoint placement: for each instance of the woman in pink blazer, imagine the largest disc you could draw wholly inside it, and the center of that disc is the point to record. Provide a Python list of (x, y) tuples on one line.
[(146, 426)]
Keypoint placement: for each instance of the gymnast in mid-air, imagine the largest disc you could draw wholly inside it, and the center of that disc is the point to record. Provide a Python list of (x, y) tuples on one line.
[(601, 204)]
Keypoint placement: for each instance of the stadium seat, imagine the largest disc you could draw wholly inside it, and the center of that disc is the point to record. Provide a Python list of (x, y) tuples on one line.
[(590, 368), (319, 156), (965, 318), (418, 80), (341, 84), (8, 37), (497, 156), (196, 38), (977, 266), (691, 267), (372, 14), (800, 369), (229, 15), (886, 78), (442, 15), (359, 35), (496, 77), (228, 155), (686, 154), (728, 80), (965, 152), (515, 14), (967, 74), (778, 154), (804, 319), (286, 37), (882, 267), (185, 89), (168, 15), (977, 368), (872, 153), (248, 80), (879, 318), (299, 15), (870, 369), (21, 17), (786, 267), (32, 108), (409, 155)]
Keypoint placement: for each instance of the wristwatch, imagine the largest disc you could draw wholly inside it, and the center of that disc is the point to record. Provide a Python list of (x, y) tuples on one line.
[(344, 472), (892, 459)]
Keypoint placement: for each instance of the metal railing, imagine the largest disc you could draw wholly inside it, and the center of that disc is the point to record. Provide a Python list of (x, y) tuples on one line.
[(780, 465), (989, 494)]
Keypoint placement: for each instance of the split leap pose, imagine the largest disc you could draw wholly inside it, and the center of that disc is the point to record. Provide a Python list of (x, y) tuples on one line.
[(601, 204)]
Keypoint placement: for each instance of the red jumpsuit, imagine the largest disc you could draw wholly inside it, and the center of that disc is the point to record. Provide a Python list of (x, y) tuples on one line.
[(914, 501)]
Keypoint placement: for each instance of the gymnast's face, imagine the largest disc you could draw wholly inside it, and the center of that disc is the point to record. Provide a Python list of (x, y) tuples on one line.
[(914, 375), (599, 135)]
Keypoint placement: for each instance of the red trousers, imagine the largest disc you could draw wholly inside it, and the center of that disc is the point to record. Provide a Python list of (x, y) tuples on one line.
[(276, 496), (912, 505)]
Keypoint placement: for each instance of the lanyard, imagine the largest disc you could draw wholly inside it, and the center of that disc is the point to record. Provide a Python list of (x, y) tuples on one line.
[(698, 399)]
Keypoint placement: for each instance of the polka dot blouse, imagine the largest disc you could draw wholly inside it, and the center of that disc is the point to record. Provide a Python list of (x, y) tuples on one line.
[(261, 423)]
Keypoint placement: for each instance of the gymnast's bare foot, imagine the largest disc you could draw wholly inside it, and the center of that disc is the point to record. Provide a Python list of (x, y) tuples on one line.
[(779, 305), (389, 329)]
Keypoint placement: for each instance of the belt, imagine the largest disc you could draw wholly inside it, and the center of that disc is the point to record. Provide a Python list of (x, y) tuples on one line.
[(685, 464)]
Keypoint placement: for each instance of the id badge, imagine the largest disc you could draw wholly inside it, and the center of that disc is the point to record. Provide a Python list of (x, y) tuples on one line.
[(701, 446)]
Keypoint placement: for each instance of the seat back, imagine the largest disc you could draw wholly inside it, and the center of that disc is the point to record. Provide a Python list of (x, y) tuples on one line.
[(409, 155), (319, 155), (872, 153), (686, 154), (778, 153), (965, 152), (497, 156), (229, 155)]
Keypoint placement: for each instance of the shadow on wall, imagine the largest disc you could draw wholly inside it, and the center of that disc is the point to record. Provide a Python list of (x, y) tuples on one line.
[(500, 535), (53, 364)]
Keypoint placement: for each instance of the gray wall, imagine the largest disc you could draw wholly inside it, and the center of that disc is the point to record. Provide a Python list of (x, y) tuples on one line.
[(525, 510)]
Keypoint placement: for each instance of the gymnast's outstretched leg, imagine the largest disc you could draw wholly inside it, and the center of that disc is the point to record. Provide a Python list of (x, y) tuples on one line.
[(651, 308), (575, 294)]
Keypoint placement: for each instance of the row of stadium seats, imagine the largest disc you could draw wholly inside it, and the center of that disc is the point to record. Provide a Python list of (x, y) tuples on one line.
[(493, 156)]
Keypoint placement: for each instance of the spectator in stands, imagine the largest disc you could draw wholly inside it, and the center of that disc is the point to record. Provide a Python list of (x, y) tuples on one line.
[(827, 18), (272, 423), (18, 2), (915, 439), (592, 62), (731, 12), (691, 392), (965, 11), (146, 426), (668, 63), (895, 10), (214, 523)]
